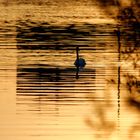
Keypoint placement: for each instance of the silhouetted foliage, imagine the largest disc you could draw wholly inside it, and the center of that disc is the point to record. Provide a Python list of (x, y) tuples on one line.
[(130, 31), (128, 20), (132, 82), (127, 16)]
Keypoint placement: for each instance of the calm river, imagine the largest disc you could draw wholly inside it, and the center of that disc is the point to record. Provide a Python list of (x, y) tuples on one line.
[(45, 97)]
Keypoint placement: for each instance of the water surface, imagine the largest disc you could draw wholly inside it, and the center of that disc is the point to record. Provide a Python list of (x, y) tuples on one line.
[(41, 95)]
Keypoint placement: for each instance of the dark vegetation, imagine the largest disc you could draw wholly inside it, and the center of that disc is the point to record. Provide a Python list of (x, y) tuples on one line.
[(128, 18)]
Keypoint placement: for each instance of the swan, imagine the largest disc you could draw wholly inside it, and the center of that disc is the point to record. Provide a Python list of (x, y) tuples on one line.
[(79, 62)]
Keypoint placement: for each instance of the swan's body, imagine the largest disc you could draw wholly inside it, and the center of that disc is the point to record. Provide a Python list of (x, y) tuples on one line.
[(80, 62)]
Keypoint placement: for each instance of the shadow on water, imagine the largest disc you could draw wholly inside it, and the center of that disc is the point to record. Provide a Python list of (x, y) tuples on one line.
[(43, 85), (62, 37), (47, 36), (40, 81)]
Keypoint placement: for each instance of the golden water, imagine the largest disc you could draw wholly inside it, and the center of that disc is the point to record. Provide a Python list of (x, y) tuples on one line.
[(41, 98)]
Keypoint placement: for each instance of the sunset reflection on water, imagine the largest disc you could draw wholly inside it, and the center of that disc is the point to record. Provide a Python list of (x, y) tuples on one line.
[(41, 97)]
